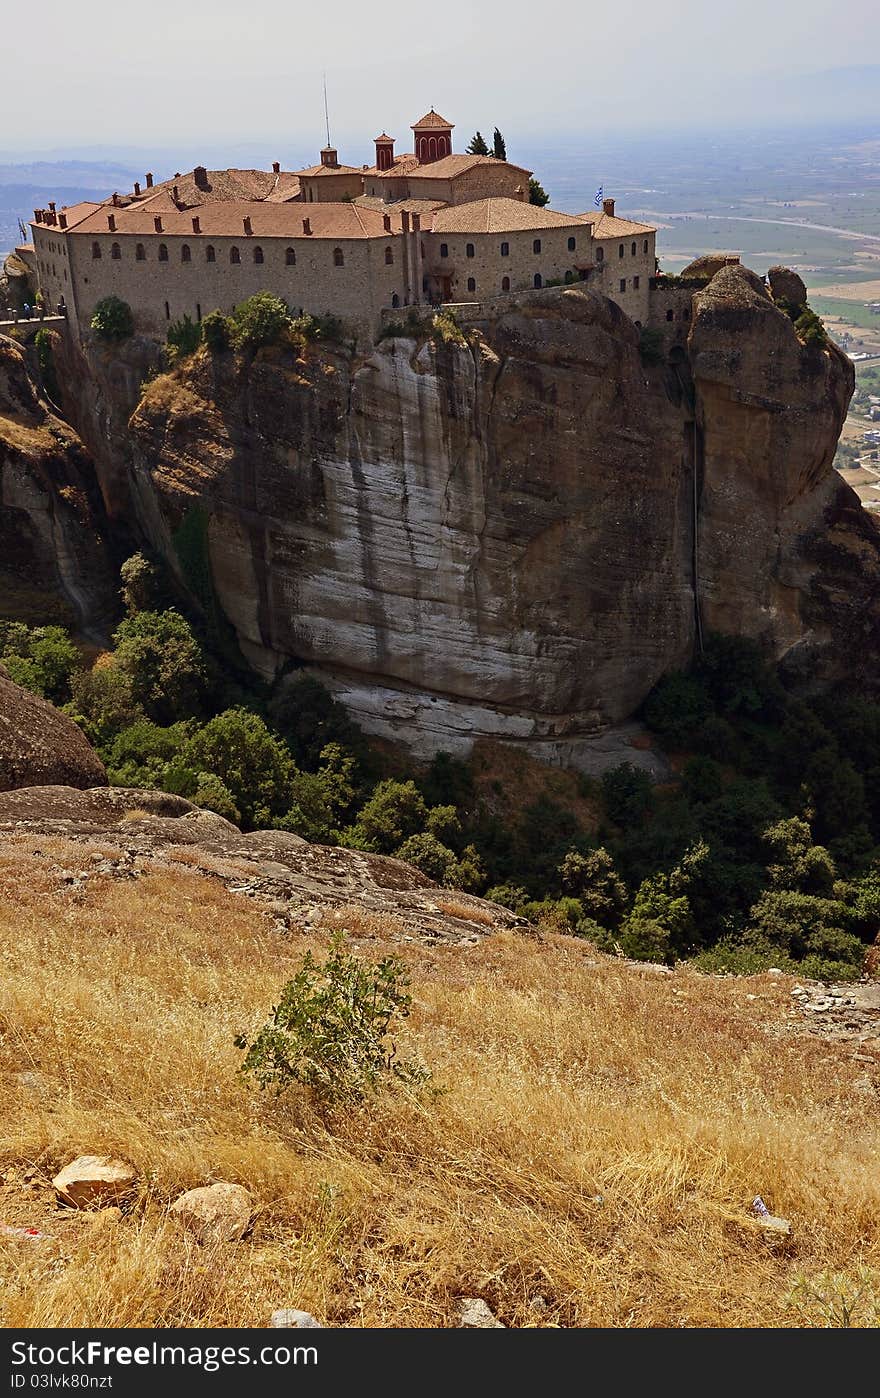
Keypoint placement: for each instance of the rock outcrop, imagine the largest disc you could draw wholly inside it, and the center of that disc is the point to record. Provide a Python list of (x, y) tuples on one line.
[(53, 529), (39, 745), (512, 536)]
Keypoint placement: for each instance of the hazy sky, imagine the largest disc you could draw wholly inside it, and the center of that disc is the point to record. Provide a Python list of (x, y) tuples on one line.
[(158, 72)]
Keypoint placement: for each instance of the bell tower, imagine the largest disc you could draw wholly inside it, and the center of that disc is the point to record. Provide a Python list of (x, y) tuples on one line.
[(432, 137), (384, 152)]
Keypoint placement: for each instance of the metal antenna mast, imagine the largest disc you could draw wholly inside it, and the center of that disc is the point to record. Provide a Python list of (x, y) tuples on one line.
[(326, 113)]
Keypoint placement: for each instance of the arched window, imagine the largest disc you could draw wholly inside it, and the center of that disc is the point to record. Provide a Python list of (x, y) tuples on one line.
[(96, 249), (444, 249), (505, 283), (115, 251), (395, 300), (572, 244), (290, 257), (210, 254), (505, 249), (338, 259), (432, 148), (632, 251), (620, 251), (600, 254), (234, 256), (185, 254), (536, 245), (469, 250), (645, 246), (140, 253), (163, 252), (669, 315), (569, 275), (258, 255), (472, 284), (538, 282), (389, 258)]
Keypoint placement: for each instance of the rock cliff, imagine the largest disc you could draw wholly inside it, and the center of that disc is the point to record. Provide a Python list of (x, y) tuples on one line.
[(514, 535)]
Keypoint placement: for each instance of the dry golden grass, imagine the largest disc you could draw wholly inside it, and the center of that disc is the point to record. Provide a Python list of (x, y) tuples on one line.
[(453, 907), (568, 1076)]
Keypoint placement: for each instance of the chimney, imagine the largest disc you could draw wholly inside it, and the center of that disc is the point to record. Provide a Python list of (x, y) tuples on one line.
[(175, 194), (307, 227), (157, 224), (386, 222), (608, 207), (200, 175), (38, 215), (52, 207), (330, 157), (149, 179), (197, 228), (404, 221), (115, 200), (137, 187), (247, 225), (416, 222), (62, 220), (111, 222), (276, 167)]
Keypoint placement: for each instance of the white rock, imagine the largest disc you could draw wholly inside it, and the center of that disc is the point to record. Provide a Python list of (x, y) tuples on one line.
[(220, 1212), (294, 1320), (772, 1223), (94, 1180), (474, 1314)]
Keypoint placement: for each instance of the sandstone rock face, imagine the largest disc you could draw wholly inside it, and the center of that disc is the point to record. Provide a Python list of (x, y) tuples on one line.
[(516, 537), (94, 1181), (215, 1213), (53, 535), (39, 745), (786, 285)]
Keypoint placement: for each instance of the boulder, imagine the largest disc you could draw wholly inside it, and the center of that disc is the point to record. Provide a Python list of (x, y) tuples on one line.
[(704, 268), (786, 285), (94, 1181), (216, 1213), (39, 746)]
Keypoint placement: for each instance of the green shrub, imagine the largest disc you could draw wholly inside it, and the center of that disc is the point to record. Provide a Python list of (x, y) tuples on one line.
[(330, 1030), (677, 707), (395, 811), (141, 584), (217, 332), (112, 319), (594, 881), (213, 795), (627, 792), (537, 193), (41, 658), (260, 320), (445, 329), (509, 896), (426, 853), (810, 329), (183, 338), (46, 363), (103, 703)]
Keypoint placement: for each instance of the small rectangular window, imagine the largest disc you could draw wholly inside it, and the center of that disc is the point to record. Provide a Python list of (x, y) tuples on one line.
[(623, 283), (444, 249), (635, 283)]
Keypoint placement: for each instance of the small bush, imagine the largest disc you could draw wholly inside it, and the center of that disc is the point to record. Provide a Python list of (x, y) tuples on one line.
[(810, 330), (112, 319), (445, 329), (330, 1030), (260, 320), (183, 338), (46, 362)]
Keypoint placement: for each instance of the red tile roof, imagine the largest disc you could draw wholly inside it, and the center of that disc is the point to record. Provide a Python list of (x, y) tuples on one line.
[(448, 168), (315, 170), (225, 219), (432, 119), (500, 216)]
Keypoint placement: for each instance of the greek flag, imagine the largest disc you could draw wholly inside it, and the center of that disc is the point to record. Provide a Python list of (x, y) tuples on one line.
[(598, 199)]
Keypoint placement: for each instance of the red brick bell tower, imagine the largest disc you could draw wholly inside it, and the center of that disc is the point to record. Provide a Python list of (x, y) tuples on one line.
[(432, 137), (384, 152)]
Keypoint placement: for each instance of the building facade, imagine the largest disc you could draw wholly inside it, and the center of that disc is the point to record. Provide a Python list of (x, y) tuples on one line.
[(424, 227)]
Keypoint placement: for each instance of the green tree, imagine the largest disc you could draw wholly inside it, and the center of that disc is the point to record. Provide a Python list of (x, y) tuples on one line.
[(499, 149), (165, 663), (252, 763), (537, 193), (258, 321), (103, 703), (627, 792), (140, 584), (395, 811), (427, 853), (112, 319), (217, 332), (43, 659), (796, 862), (594, 881), (477, 145)]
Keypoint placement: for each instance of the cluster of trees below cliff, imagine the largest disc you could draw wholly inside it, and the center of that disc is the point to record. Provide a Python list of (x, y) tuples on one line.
[(765, 851)]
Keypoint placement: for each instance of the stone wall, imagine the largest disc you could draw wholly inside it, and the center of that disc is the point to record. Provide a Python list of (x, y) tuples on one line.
[(488, 267), (624, 275), (51, 258), (161, 292)]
